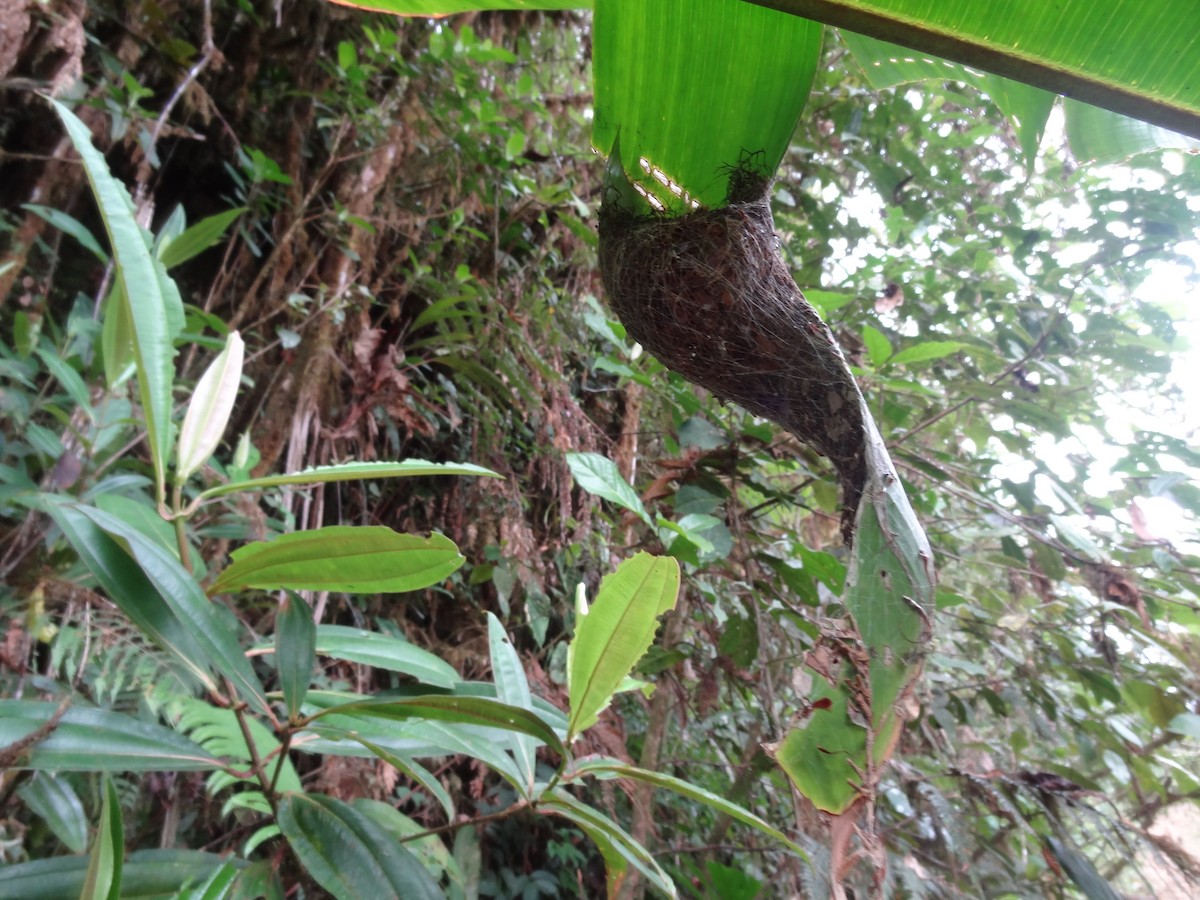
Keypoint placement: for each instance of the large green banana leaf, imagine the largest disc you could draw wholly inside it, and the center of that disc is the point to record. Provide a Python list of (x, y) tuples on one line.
[(1136, 58), (1141, 60)]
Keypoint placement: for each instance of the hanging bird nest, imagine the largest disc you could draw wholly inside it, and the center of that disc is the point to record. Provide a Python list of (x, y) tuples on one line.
[(710, 295)]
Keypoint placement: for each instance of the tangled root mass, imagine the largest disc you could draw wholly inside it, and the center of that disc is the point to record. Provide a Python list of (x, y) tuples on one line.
[(710, 295)]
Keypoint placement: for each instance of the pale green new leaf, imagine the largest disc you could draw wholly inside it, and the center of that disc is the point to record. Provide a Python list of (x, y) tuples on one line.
[(351, 472), (364, 560), (616, 633), (209, 409)]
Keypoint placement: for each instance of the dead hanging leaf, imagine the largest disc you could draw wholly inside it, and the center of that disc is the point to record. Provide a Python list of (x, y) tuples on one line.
[(891, 297), (1115, 586), (1141, 527)]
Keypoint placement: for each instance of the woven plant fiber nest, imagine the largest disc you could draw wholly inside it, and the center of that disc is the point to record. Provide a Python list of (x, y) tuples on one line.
[(710, 295)]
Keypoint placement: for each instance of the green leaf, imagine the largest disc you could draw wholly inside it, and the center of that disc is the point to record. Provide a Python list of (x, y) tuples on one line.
[(103, 881), (616, 846), (879, 348), (599, 475), (128, 586), (66, 376), (926, 351), (416, 772), (52, 797), (210, 407), (204, 234), (449, 708), (116, 339), (68, 224), (512, 688), (295, 651), (366, 560), (349, 854), (154, 320), (97, 740), (212, 627), (616, 633), (383, 652), (615, 769), (1081, 871), (146, 873), (1187, 724), (734, 78), (1092, 52), (352, 472)]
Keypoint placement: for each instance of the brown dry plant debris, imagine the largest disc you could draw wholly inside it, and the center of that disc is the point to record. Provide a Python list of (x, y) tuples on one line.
[(710, 295)]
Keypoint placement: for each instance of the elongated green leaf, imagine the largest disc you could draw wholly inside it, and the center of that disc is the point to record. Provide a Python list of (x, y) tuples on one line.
[(616, 633), (195, 240), (926, 351), (127, 585), (348, 853), (599, 475), (146, 873), (210, 407), (295, 651), (352, 472), (1093, 52), (70, 380), (212, 627), (614, 768), (103, 880), (416, 772), (53, 798), (616, 846), (96, 740), (151, 311), (384, 652), (512, 688), (696, 88), (449, 708), (68, 224), (343, 736), (367, 560), (1081, 871)]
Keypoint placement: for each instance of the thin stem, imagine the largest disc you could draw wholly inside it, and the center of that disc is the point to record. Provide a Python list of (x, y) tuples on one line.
[(478, 820), (239, 711)]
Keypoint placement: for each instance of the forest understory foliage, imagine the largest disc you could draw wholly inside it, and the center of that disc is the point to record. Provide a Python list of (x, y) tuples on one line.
[(398, 219)]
